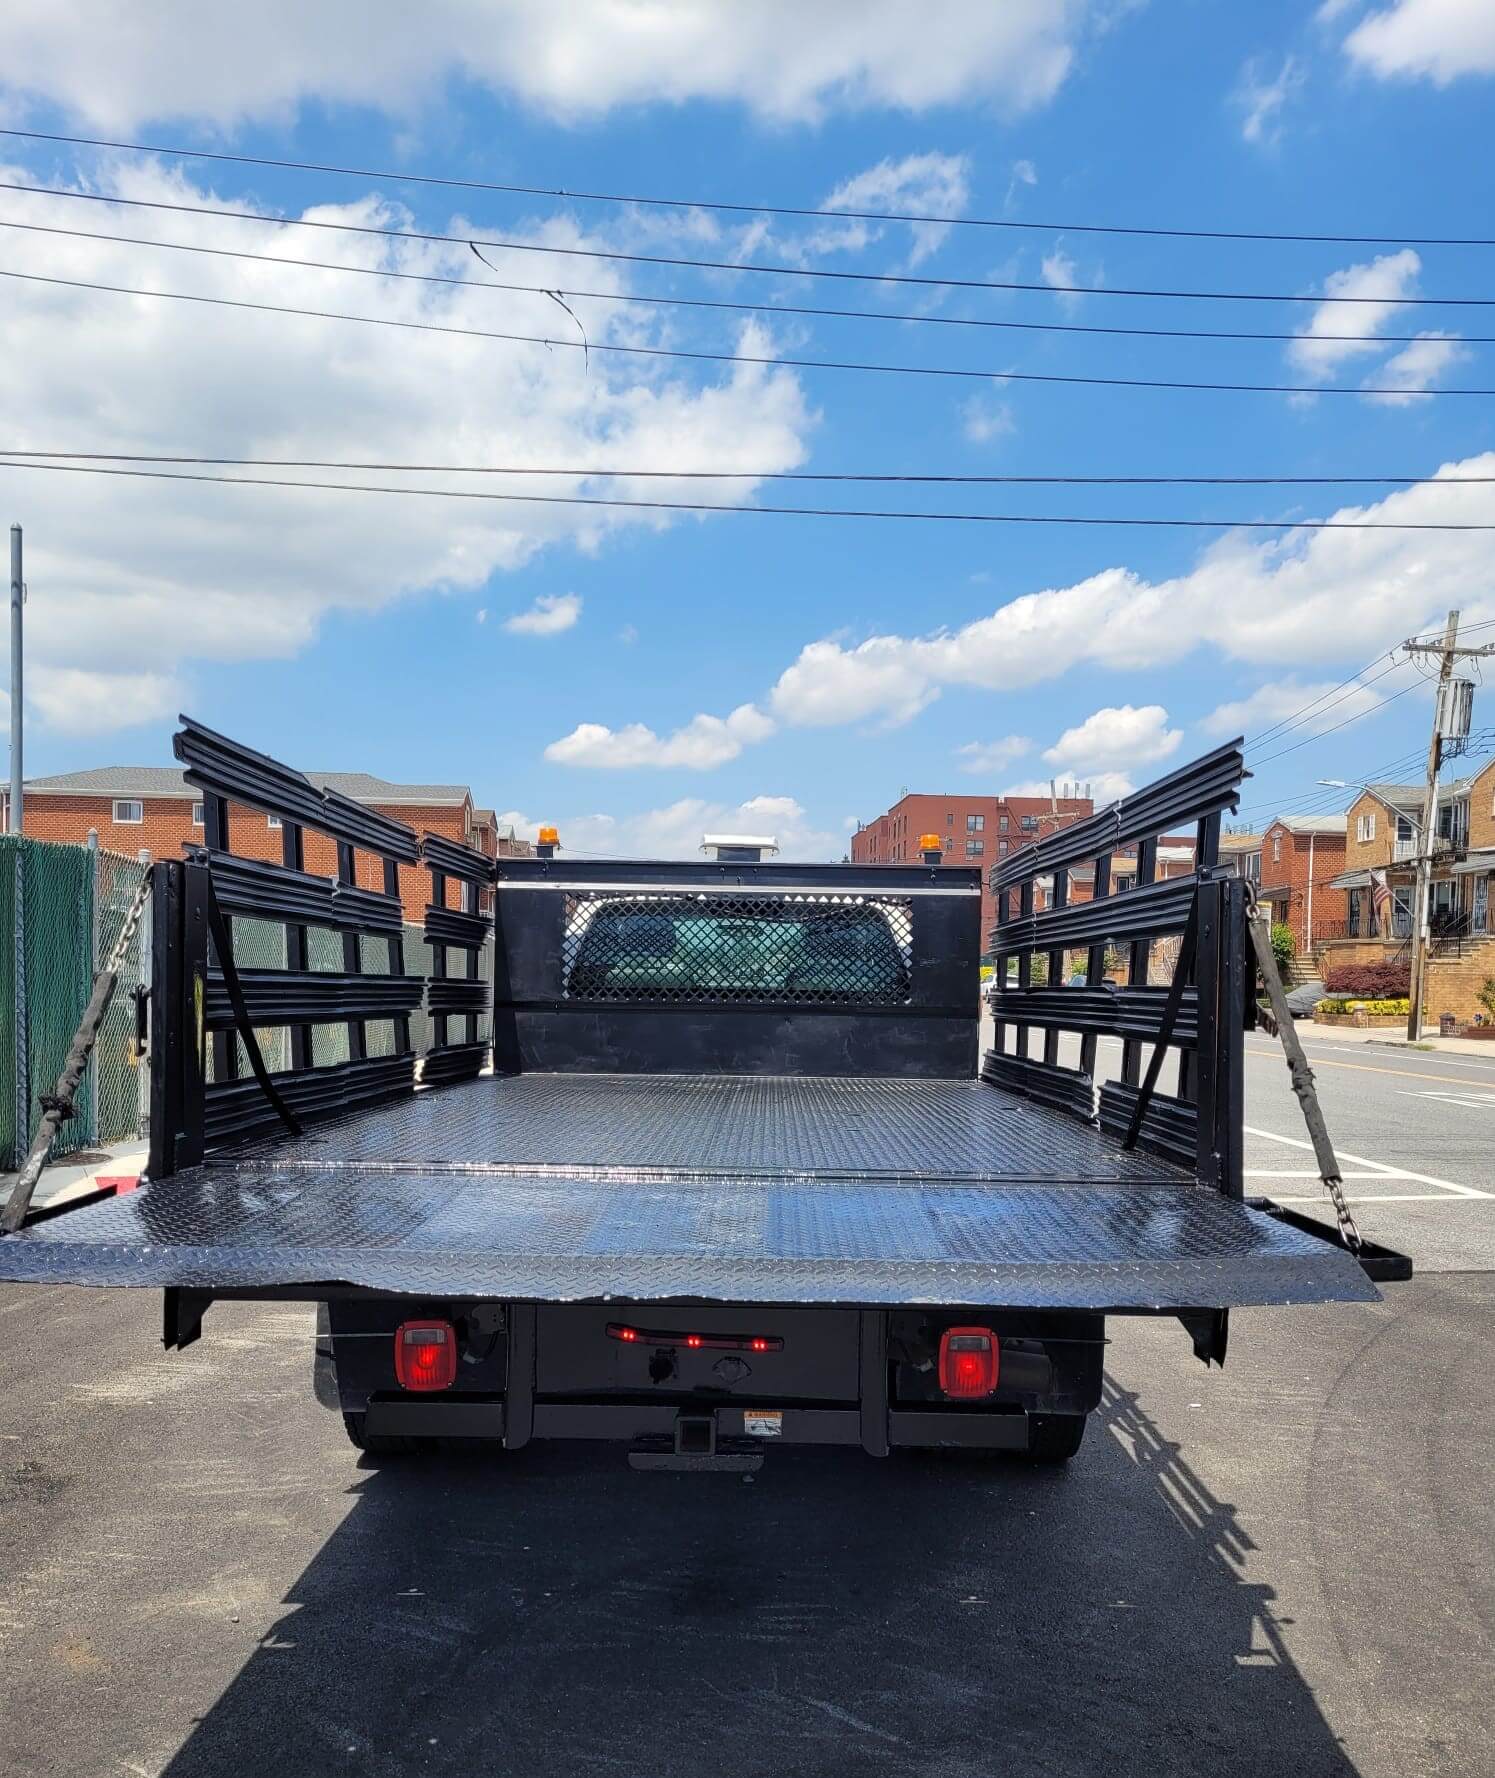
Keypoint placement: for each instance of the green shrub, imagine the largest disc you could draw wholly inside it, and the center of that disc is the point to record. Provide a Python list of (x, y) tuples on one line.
[(1487, 995), (1284, 945), (1340, 1003)]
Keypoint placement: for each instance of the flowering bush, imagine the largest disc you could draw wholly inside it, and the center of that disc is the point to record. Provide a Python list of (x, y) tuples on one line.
[(1373, 981)]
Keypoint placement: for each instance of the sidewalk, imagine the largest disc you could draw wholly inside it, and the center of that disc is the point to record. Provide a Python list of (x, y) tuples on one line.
[(73, 1175), (1430, 1040)]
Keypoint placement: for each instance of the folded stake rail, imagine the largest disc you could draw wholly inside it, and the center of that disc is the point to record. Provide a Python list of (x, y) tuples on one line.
[(728, 1104)]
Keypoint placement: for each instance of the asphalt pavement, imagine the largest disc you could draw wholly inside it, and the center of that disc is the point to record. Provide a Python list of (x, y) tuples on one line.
[(1285, 1567)]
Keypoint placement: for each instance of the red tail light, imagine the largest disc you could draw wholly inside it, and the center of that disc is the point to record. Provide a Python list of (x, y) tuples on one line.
[(970, 1362), (426, 1355)]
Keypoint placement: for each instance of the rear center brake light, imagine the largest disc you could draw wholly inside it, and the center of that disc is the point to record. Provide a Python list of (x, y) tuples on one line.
[(642, 1336), (425, 1355), (970, 1362)]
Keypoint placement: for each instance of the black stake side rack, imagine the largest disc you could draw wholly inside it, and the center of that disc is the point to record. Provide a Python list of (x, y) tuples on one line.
[(1059, 896), (203, 1100)]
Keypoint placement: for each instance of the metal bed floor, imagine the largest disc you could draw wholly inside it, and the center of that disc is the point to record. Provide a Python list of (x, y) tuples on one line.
[(566, 1188), (634, 1126)]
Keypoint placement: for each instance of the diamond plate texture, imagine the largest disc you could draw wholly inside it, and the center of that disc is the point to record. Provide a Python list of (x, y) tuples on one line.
[(824, 1241), (727, 1124)]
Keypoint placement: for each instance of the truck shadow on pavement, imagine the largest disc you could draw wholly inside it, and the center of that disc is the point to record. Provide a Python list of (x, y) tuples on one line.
[(556, 1613)]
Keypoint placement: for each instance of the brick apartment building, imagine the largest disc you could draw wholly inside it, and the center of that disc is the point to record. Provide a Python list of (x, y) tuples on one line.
[(1301, 855), (153, 808), (1378, 881), (973, 830)]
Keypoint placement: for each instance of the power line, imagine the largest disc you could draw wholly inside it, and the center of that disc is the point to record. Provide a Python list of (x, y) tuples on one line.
[(920, 281), (1359, 716), (736, 307), (1322, 800), (1296, 718), (865, 367), (654, 202), (622, 472), (824, 512)]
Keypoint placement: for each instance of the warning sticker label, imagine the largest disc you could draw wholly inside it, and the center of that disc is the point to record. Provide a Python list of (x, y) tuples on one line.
[(763, 1422)]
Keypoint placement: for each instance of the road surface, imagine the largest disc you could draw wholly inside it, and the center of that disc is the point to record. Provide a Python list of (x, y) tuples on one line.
[(1282, 1568)]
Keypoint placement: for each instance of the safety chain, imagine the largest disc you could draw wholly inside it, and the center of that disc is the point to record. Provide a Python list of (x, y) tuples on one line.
[(1301, 1073), (132, 920)]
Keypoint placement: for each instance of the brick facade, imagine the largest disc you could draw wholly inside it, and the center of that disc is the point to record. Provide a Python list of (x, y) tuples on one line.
[(974, 830), (167, 831), (1296, 870)]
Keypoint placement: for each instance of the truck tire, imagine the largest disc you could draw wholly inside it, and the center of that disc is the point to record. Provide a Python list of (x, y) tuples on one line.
[(1054, 1438), (379, 1444)]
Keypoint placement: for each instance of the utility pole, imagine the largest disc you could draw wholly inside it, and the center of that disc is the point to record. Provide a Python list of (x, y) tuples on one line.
[(1449, 652), (17, 600)]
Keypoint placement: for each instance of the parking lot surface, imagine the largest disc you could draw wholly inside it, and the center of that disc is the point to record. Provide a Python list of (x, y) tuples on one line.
[(1284, 1567)]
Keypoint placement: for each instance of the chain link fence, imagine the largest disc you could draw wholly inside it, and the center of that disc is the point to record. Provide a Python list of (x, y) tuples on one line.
[(61, 910)]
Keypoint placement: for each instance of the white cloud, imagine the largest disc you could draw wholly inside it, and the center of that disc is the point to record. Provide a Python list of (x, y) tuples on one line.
[(1262, 99), (929, 184), (703, 742), (829, 685), (1388, 280), (548, 616), (981, 757), (481, 614), (1023, 173), (786, 61), (1060, 271), (1437, 39), (1416, 367), (675, 831), (142, 578), (1279, 699), (984, 417), (79, 701), (1120, 735), (1280, 601)]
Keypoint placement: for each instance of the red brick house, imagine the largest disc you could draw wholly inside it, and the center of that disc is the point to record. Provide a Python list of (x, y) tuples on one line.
[(1300, 857), (154, 809), (979, 830)]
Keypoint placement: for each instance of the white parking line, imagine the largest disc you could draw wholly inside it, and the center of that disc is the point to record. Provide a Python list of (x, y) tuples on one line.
[(1304, 1173), (1376, 1198), (1377, 1168), (1475, 1101)]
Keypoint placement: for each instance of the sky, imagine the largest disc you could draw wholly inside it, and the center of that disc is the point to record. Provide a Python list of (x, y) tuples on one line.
[(638, 675)]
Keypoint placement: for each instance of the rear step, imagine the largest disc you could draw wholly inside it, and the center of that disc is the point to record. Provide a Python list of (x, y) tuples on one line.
[(695, 1449)]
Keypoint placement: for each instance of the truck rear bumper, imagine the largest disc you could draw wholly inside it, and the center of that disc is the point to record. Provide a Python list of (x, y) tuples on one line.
[(907, 1428)]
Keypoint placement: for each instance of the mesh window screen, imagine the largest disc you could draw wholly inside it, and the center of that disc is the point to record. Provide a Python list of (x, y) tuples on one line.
[(811, 950)]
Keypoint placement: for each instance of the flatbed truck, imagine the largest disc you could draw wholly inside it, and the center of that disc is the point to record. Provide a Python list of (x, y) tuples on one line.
[(707, 1160)]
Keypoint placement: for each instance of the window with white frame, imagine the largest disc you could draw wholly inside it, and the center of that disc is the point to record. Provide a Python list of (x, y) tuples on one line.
[(129, 811), (975, 848), (1365, 828), (272, 821), (1277, 847), (197, 820)]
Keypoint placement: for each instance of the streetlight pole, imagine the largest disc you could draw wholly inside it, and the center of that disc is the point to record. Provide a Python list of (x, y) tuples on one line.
[(17, 600)]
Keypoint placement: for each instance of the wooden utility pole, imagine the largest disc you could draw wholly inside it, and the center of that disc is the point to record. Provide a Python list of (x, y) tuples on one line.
[(1449, 652)]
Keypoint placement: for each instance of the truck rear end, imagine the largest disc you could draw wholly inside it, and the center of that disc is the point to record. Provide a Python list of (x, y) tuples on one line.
[(737, 1173)]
